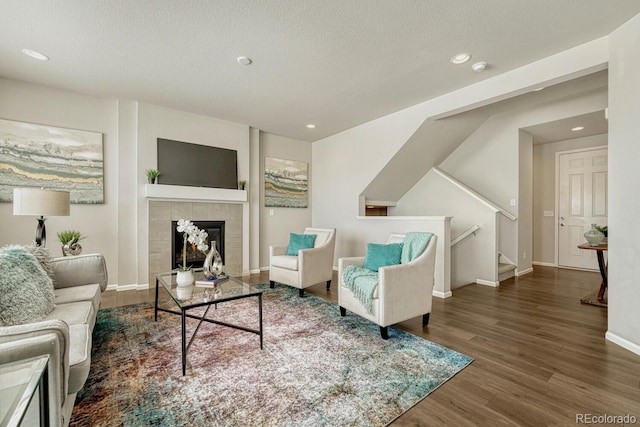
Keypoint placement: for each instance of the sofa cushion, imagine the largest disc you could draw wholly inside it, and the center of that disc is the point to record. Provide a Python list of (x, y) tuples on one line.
[(285, 261), (379, 256), (299, 242), (74, 313), (26, 292), (79, 356), (80, 293)]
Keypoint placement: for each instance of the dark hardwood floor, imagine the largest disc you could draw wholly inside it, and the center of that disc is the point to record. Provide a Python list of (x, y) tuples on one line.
[(540, 355)]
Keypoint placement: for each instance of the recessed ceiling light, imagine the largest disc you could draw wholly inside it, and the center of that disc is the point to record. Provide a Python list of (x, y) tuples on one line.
[(35, 55), (577, 128), (244, 60), (311, 126), (460, 58)]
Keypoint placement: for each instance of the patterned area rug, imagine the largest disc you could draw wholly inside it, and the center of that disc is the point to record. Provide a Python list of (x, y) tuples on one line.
[(316, 368)]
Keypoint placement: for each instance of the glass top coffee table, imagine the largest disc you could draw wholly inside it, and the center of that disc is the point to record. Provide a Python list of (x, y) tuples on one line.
[(187, 298)]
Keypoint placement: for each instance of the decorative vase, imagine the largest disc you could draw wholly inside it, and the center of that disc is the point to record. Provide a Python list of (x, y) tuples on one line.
[(71, 249), (185, 278), (212, 263), (184, 292), (594, 236)]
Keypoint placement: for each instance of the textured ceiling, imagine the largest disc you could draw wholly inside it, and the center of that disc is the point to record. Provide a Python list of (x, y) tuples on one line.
[(560, 130), (335, 63)]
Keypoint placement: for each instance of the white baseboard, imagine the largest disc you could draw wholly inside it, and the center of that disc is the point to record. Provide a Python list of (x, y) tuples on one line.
[(487, 283), (112, 287), (254, 271), (439, 294), (132, 287), (626, 344), (544, 264), (264, 268), (525, 271)]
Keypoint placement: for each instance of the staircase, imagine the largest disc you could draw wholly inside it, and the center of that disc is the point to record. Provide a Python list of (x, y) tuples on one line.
[(506, 268)]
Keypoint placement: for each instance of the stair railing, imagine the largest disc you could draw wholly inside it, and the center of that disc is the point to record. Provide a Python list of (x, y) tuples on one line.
[(471, 230)]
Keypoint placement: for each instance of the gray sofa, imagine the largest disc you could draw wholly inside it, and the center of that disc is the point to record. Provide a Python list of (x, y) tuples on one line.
[(65, 333)]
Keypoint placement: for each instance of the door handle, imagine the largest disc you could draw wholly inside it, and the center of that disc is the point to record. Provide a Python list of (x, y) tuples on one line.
[(561, 225)]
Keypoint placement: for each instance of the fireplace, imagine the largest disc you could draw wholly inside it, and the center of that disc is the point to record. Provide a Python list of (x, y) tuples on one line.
[(195, 258)]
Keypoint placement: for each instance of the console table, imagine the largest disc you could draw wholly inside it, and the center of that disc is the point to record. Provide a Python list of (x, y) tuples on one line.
[(600, 249)]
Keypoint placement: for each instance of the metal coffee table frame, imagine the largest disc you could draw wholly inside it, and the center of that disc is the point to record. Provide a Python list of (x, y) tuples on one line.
[(198, 300)]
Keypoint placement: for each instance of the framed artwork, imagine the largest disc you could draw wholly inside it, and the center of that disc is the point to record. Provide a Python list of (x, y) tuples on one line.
[(286, 183), (54, 158)]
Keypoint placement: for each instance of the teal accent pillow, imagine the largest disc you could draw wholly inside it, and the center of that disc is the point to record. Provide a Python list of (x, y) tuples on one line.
[(379, 256), (300, 241)]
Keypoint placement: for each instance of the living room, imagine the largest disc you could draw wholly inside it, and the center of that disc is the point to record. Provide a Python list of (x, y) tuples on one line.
[(341, 164)]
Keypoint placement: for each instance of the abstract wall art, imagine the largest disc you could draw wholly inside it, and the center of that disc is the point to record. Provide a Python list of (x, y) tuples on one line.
[(34, 155), (286, 183)]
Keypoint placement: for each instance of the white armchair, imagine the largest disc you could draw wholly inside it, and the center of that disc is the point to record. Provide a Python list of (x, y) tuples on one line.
[(309, 267), (404, 291)]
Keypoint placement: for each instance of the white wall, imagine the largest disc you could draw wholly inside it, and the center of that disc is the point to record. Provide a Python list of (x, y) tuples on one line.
[(624, 175), (127, 221), (118, 228), (346, 163), (473, 259), (275, 229), (46, 106), (525, 203), (544, 192)]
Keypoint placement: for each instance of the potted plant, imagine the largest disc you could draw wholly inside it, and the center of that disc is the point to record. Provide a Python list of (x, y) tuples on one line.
[(241, 184), (152, 175), (603, 229), (198, 240), (69, 240)]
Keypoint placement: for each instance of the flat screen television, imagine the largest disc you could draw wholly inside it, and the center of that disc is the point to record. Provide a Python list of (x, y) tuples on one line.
[(194, 165)]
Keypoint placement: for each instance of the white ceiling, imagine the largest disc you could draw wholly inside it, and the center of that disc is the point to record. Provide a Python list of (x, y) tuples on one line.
[(560, 130), (335, 63)]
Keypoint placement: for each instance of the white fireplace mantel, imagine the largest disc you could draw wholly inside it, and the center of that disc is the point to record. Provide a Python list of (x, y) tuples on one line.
[(179, 192)]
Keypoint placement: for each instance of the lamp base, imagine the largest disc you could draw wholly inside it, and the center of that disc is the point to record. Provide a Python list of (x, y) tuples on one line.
[(41, 232)]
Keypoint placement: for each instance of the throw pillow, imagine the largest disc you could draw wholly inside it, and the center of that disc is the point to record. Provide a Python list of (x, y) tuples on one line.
[(26, 292), (379, 256), (300, 241), (44, 258)]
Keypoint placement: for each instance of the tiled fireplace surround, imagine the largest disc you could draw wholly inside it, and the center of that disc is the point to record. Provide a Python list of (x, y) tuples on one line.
[(161, 213)]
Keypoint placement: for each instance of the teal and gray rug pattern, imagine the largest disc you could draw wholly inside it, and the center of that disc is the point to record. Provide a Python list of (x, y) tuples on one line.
[(316, 368)]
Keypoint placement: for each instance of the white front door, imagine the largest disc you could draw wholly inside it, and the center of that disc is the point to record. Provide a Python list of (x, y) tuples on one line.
[(582, 201)]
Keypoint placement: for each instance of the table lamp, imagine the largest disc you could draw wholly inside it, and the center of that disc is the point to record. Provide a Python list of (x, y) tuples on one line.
[(40, 202)]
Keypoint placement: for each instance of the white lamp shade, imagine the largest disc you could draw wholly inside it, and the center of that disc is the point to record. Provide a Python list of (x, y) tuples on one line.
[(40, 202)]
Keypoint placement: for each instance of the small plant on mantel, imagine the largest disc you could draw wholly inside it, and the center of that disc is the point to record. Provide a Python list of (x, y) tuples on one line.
[(152, 175), (241, 184)]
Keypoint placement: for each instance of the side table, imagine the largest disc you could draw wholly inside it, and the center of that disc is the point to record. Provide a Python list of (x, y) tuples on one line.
[(20, 383), (600, 249)]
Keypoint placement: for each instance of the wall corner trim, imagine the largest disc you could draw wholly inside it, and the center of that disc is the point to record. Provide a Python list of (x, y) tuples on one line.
[(487, 283), (439, 294)]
